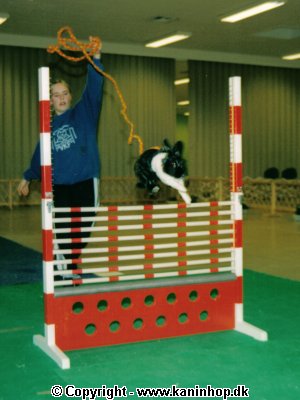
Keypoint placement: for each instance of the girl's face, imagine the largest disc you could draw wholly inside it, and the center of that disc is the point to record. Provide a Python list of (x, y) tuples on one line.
[(61, 98)]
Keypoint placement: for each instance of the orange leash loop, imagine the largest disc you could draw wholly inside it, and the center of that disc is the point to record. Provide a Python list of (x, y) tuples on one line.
[(72, 44)]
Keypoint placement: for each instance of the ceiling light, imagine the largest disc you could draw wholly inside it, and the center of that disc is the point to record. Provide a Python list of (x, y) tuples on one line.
[(3, 17), (175, 37), (183, 103), (292, 57), (182, 81), (250, 12)]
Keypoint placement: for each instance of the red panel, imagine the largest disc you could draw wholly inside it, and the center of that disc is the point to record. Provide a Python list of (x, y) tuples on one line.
[(50, 308), (145, 314)]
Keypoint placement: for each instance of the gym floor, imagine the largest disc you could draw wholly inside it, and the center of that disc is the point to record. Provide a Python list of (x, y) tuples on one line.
[(271, 370)]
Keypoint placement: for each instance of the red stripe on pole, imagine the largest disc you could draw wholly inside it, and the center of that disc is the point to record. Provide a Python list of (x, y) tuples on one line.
[(149, 247), (112, 238), (147, 226), (181, 234), (214, 260), (113, 258), (181, 253), (113, 249), (112, 208), (112, 218), (181, 215), (214, 251), (213, 232), (182, 244), (149, 256), (238, 236), (148, 216), (213, 213), (148, 275), (214, 270), (214, 241), (76, 251), (182, 264), (181, 224), (181, 205), (45, 115), (76, 219), (76, 240), (75, 209), (75, 230), (236, 177), (47, 236), (148, 207), (46, 180), (182, 273), (113, 228), (235, 119), (213, 222), (148, 237), (214, 203), (77, 281)]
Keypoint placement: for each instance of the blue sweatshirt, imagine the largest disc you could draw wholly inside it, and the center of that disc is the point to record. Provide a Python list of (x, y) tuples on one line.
[(75, 155)]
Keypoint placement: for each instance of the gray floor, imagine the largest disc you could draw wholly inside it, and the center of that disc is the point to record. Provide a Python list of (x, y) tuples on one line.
[(271, 243)]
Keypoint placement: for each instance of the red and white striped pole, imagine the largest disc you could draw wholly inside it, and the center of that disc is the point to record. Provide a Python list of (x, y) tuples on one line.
[(47, 343), (236, 176), (46, 176), (236, 183)]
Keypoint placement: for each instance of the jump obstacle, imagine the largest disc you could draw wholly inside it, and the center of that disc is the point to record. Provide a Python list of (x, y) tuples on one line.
[(147, 271)]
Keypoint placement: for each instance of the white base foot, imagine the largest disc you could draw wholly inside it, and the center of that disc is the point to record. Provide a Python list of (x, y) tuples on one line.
[(251, 330), (52, 351)]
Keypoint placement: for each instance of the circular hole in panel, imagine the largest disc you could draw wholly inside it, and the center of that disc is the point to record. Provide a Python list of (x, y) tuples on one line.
[(90, 329), (149, 300), (183, 318), (214, 294), (161, 320), (126, 302), (203, 316), (114, 326), (138, 323), (77, 307), (102, 305), (193, 295), (171, 298)]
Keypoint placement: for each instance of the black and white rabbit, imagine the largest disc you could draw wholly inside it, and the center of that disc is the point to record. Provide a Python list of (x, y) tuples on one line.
[(166, 165)]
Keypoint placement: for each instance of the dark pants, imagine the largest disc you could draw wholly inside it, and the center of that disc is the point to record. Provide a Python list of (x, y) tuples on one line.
[(81, 194)]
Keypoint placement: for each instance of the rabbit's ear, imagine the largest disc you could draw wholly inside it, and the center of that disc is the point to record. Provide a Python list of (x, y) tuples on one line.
[(177, 149), (166, 146)]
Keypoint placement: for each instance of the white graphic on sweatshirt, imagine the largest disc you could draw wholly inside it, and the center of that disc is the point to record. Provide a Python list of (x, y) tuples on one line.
[(63, 137)]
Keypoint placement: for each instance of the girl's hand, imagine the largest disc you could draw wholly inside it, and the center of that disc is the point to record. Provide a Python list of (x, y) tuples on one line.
[(23, 188)]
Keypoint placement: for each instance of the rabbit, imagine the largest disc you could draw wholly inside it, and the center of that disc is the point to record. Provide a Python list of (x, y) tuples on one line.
[(166, 165)]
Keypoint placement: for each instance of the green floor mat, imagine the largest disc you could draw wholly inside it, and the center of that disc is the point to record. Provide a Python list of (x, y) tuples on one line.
[(271, 370)]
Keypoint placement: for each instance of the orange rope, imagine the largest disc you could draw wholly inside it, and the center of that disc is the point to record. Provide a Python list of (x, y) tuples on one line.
[(72, 44)]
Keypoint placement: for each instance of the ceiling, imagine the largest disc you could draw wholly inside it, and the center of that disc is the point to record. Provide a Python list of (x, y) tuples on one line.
[(124, 26)]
